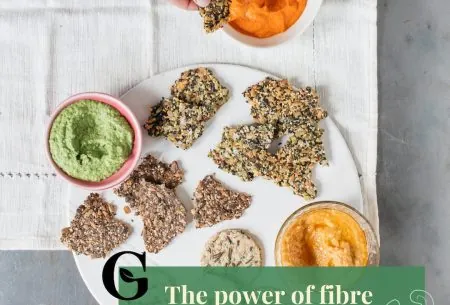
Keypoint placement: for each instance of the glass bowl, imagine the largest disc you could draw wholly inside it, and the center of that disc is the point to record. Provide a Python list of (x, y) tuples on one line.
[(373, 248)]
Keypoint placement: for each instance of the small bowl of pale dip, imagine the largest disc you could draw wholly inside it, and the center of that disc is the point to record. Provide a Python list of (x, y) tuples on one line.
[(327, 234), (93, 140)]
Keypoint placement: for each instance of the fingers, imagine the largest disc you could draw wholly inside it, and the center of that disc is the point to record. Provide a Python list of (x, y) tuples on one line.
[(192, 6), (202, 3), (184, 4)]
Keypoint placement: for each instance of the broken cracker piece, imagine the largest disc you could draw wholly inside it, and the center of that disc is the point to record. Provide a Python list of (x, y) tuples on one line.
[(149, 192), (215, 203), (256, 136), (180, 122), (94, 231), (298, 178), (304, 147), (242, 154), (200, 87), (215, 15), (151, 170), (277, 102), (162, 213)]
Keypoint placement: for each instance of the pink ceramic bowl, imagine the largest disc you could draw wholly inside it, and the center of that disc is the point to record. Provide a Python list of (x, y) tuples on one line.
[(127, 167)]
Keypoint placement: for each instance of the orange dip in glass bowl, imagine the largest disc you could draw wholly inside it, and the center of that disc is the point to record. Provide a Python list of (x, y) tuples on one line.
[(264, 18), (326, 234)]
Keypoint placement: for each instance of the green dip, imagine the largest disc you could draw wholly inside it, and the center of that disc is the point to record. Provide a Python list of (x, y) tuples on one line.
[(90, 140)]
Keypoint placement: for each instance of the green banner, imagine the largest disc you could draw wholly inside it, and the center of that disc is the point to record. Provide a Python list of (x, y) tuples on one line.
[(273, 285)]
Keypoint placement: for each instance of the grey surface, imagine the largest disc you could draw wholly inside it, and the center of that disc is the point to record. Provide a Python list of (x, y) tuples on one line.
[(414, 143), (413, 169), (41, 278)]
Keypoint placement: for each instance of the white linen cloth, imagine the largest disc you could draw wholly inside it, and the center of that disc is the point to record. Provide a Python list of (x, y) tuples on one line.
[(51, 49)]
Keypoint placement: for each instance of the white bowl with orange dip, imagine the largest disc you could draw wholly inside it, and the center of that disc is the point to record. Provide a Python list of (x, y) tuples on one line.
[(327, 234), (266, 23)]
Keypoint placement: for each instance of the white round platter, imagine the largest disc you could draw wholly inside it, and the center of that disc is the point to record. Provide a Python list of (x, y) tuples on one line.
[(271, 204)]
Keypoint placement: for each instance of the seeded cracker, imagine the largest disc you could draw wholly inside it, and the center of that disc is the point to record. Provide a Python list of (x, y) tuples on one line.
[(295, 113), (153, 171), (180, 122), (214, 203), (200, 87), (231, 248), (215, 15), (149, 192), (256, 136), (243, 151), (163, 214), (298, 178), (277, 102), (94, 231), (304, 147)]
